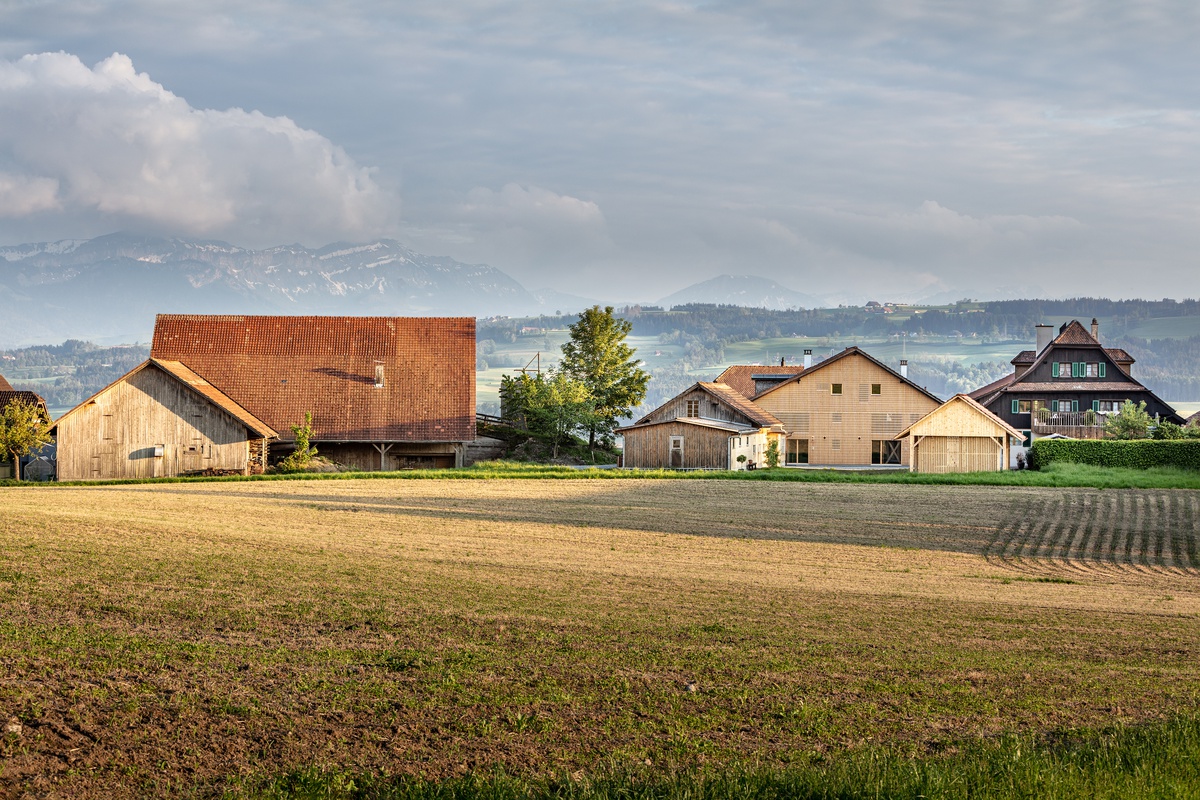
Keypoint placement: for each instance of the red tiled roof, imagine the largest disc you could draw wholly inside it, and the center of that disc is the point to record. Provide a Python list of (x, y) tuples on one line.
[(1073, 332), (278, 368), (984, 393), (5, 386), (736, 400), (741, 376), (1115, 353), (11, 395), (1078, 386)]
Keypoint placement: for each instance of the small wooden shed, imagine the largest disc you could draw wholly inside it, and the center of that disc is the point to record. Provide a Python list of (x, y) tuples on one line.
[(959, 436), (159, 420)]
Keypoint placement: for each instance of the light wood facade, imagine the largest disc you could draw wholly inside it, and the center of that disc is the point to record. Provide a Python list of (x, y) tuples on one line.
[(846, 411), (960, 436), (692, 444), (707, 426), (159, 420)]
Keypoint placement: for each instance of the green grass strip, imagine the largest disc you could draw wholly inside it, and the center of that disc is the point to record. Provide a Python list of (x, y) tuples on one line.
[(1159, 760), (1057, 474)]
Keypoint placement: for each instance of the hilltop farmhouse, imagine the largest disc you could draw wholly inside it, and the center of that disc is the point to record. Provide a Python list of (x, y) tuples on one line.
[(220, 394), (1068, 386)]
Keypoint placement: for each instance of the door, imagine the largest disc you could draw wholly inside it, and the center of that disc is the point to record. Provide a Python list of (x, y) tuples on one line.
[(676, 460)]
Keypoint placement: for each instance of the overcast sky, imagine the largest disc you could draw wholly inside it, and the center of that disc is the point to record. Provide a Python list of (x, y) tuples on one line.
[(625, 150)]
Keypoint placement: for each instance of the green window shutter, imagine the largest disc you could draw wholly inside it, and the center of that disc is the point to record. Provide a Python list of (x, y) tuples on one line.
[(1074, 405), (1054, 406), (1075, 369), (1054, 370), (1101, 369), (1015, 406), (1096, 403)]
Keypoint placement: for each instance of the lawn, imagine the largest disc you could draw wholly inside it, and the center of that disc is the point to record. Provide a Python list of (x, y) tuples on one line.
[(203, 638)]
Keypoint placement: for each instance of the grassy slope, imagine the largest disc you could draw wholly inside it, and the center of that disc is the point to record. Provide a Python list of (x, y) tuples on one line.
[(161, 637)]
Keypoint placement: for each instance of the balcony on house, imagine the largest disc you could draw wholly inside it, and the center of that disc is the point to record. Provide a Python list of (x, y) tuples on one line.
[(1075, 424)]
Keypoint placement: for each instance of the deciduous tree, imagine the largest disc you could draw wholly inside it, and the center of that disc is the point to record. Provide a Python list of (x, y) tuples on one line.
[(597, 356), (1131, 422), (24, 428)]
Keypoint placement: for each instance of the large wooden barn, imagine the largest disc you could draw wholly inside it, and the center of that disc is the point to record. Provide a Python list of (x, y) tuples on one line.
[(384, 392), (960, 436), (846, 411), (158, 420)]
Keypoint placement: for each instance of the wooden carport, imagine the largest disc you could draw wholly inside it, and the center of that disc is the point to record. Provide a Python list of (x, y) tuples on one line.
[(959, 436)]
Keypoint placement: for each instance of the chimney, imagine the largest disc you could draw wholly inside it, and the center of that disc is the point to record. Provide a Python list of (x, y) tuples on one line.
[(904, 368), (1095, 329), (781, 361), (807, 359), (1045, 335)]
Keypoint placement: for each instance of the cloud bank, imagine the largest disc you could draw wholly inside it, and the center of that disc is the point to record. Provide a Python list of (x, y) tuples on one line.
[(108, 148)]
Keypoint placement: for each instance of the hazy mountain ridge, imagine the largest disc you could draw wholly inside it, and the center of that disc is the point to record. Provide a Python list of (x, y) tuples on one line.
[(113, 285), (745, 290)]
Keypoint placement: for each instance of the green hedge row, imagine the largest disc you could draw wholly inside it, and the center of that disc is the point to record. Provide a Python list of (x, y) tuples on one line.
[(1131, 454)]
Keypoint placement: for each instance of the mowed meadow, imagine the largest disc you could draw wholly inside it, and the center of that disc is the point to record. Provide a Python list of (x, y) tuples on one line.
[(201, 638)]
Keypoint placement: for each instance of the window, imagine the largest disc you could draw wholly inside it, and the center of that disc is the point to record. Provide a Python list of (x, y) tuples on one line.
[(835, 388), (1107, 406), (379, 376), (693, 408), (836, 419), (797, 451), (885, 451), (1022, 406), (876, 388), (1092, 371), (1063, 369)]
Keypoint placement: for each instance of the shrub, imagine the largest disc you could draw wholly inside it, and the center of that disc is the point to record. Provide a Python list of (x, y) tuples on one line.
[(300, 458), (1131, 454)]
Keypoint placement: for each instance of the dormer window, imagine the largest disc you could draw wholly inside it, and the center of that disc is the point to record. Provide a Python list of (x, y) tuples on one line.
[(379, 383)]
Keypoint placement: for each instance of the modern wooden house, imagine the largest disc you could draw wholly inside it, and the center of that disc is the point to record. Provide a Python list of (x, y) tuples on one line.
[(158, 420), (384, 392), (10, 395), (1068, 386), (707, 426), (959, 436), (846, 411)]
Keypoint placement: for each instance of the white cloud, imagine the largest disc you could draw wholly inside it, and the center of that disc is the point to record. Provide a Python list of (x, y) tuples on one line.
[(532, 207), (109, 147)]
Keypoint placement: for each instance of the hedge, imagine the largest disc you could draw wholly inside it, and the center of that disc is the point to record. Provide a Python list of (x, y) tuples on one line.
[(1132, 454)]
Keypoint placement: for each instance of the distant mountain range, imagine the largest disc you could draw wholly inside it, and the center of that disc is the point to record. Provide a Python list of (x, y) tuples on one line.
[(113, 285), (745, 290), (108, 289)]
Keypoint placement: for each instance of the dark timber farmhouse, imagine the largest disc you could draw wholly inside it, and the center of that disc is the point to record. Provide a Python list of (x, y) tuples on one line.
[(385, 392), (1068, 386)]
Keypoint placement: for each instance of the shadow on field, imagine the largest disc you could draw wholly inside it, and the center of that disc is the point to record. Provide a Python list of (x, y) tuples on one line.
[(1023, 528)]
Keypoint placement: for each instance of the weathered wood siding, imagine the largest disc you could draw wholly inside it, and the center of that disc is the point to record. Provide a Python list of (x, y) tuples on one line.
[(710, 408), (115, 435), (840, 428), (649, 447), (940, 454), (402, 455)]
